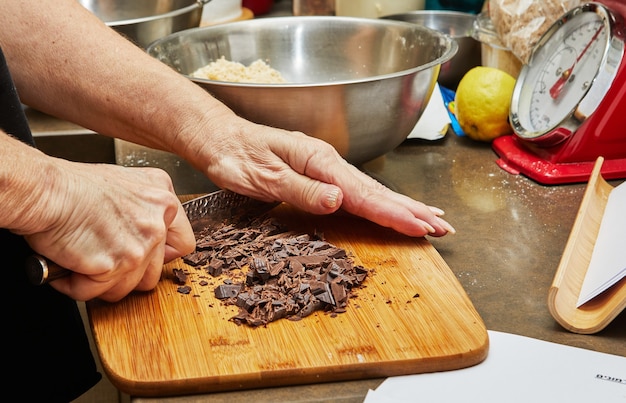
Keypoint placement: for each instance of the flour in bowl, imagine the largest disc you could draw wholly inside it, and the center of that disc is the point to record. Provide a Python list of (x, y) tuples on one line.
[(257, 72)]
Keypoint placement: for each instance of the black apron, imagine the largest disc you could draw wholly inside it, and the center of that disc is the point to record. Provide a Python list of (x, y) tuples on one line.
[(47, 353)]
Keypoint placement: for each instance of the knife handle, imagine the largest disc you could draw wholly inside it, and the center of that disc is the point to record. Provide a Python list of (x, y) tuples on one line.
[(41, 270)]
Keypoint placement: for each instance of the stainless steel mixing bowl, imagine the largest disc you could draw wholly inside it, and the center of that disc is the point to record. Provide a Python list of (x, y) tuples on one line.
[(144, 21), (360, 84), (460, 27)]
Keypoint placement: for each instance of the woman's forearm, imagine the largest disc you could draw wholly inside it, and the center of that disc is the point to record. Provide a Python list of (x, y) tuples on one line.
[(67, 63)]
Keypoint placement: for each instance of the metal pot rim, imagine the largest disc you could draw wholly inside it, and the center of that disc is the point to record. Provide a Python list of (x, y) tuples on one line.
[(169, 14)]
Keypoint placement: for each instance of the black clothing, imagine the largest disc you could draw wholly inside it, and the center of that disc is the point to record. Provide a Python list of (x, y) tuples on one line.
[(47, 353)]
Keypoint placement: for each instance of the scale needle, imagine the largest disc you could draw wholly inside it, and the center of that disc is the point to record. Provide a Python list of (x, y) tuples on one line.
[(558, 86)]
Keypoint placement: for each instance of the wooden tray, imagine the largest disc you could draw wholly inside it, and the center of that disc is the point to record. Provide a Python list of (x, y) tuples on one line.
[(596, 314), (413, 316)]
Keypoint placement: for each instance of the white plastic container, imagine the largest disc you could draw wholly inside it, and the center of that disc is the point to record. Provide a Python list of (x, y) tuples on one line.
[(216, 11), (375, 8)]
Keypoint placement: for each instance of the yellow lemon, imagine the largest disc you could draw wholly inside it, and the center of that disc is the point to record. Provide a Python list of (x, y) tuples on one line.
[(482, 103)]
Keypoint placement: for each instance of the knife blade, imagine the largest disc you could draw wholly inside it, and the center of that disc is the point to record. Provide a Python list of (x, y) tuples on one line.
[(202, 212), (223, 205)]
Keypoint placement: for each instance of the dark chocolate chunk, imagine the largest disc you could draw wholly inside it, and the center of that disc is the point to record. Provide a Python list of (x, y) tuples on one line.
[(339, 294), (215, 267), (223, 291), (180, 277), (198, 258), (184, 289)]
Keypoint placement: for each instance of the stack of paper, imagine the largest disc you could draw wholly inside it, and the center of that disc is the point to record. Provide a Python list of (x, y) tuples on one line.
[(518, 369), (608, 259)]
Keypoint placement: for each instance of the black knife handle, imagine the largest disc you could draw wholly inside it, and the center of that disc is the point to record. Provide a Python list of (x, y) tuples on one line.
[(41, 270)]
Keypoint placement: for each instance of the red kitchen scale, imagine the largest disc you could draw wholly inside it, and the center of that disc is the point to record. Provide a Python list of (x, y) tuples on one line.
[(569, 102)]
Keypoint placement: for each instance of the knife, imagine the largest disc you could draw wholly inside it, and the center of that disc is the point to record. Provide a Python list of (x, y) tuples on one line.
[(202, 212)]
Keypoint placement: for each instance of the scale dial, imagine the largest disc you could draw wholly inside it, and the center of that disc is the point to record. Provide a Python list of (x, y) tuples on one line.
[(570, 70)]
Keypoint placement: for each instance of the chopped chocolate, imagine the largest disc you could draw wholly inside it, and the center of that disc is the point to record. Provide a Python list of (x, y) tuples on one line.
[(227, 291), (323, 294), (180, 277), (339, 293), (184, 289), (289, 275), (261, 267), (198, 258), (215, 267)]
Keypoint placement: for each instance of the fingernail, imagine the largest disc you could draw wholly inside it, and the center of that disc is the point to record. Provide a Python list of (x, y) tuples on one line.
[(332, 198), (437, 211), (430, 228), (447, 226)]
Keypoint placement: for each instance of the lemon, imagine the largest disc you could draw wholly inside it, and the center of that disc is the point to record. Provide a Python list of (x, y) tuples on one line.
[(482, 103)]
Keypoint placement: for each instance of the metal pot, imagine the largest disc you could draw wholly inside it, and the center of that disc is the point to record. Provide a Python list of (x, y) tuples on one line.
[(145, 21), (460, 27)]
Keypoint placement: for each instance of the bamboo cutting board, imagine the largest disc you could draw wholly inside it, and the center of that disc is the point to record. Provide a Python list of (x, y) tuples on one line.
[(413, 316)]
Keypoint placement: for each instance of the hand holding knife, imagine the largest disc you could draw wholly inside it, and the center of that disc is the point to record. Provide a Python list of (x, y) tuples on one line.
[(202, 212)]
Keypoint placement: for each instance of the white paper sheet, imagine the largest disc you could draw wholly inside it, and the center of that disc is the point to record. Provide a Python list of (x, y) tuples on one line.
[(517, 369), (434, 122), (608, 259)]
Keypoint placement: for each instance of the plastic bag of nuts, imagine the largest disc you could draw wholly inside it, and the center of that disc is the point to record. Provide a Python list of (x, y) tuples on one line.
[(520, 23)]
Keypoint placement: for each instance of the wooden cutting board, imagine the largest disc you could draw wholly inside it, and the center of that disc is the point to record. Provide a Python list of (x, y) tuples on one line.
[(412, 317)]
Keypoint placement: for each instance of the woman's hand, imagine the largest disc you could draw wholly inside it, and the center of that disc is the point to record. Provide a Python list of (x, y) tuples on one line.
[(272, 164), (114, 227)]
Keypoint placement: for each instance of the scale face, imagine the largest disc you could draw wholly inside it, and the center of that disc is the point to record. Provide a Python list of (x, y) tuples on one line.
[(559, 81), (564, 107)]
